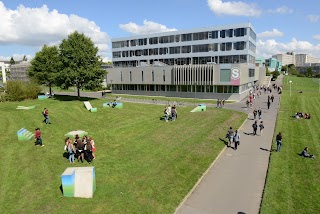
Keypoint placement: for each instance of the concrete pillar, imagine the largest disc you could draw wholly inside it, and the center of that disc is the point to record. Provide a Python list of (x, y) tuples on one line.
[(3, 69)]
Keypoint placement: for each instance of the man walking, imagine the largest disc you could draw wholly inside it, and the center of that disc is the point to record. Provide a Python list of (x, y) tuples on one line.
[(261, 126), (255, 113), (268, 103), (37, 137), (46, 116), (279, 141), (272, 98), (259, 113), (236, 140), (255, 127)]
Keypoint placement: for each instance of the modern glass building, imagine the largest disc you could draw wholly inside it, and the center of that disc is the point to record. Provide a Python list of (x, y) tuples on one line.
[(214, 62)]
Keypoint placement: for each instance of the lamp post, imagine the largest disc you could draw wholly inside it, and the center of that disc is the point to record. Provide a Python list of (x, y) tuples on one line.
[(290, 87)]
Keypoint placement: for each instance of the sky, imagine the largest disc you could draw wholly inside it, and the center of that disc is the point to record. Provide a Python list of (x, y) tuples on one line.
[(281, 25)]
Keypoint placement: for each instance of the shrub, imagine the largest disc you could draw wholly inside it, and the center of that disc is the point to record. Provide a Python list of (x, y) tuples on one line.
[(18, 91), (301, 75)]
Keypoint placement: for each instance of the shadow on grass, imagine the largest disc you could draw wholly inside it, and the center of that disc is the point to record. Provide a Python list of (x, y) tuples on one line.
[(61, 189), (224, 141), (72, 98)]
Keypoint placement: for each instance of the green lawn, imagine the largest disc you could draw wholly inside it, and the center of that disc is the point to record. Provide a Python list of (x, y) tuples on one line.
[(143, 165), (293, 184)]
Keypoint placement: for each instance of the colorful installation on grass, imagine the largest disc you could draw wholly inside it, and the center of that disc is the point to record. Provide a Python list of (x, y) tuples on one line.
[(87, 104), (199, 108), (25, 107), (73, 134), (24, 134), (79, 182), (42, 97), (113, 105)]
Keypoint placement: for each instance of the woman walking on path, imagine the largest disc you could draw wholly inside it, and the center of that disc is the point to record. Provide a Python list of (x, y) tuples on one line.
[(255, 113), (230, 136), (255, 127), (259, 113)]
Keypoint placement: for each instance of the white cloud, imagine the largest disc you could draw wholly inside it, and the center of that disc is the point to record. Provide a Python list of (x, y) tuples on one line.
[(313, 18), (274, 33), (16, 57), (317, 37), (271, 47), (282, 10), (39, 26), (146, 28), (236, 8)]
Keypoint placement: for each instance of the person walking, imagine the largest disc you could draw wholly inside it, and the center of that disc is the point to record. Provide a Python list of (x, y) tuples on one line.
[(272, 98), (255, 127), (261, 126), (279, 141), (259, 113), (46, 116), (236, 140), (268, 103), (255, 113), (37, 137), (230, 135)]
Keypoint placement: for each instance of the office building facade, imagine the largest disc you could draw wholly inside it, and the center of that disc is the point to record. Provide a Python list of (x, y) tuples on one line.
[(215, 62), (19, 71)]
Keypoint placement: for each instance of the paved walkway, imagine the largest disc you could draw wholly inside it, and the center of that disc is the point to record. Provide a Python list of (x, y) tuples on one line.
[(234, 184)]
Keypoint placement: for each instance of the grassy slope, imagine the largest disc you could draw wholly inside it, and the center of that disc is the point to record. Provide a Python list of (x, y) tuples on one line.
[(293, 181), (143, 165)]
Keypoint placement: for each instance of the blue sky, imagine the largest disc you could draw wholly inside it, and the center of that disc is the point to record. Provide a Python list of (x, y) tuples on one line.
[(281, 25)]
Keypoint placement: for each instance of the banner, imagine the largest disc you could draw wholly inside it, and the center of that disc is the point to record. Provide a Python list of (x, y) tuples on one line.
[(235, 76)]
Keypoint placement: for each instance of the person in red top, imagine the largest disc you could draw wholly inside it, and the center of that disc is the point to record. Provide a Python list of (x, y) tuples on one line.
[(37, 137), (46, 116)]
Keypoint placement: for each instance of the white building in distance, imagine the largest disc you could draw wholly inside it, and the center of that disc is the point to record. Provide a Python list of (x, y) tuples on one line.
[(210, 63)]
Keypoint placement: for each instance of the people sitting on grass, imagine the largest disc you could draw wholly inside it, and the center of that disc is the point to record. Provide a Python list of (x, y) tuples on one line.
[(305, 153), (300, 115)]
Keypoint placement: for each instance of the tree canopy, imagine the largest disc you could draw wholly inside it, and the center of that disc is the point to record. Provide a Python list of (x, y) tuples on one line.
[(309, 72), (81, 65), (45, 66)]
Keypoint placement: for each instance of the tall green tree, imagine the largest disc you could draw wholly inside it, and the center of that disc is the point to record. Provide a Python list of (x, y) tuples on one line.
[(309, 72), (81, 65), (45, 66), (12, 62)]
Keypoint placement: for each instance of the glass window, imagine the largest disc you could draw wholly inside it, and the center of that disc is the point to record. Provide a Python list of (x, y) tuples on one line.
[(152, 74), (225, 75), (222, 34), (239, 45), (121, 76), (186, 49), (228, 46), (142, 76), (177, 38), (130, 76), (153, 40), (240, 32), (200, 48), (251, 72), (215, 34), (186, 37)]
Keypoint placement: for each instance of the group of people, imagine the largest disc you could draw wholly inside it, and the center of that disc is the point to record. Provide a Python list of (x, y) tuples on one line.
[(300, 115), (220, 103), (233, 138), (170, 111), (83, 149)]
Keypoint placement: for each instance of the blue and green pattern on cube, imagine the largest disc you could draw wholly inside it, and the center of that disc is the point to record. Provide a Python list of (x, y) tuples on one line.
[(79, 182), (93, 110), (199, 108), (42, 97), (24, 134)]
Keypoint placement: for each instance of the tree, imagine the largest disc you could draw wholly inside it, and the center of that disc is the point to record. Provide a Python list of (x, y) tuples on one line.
[(81, 66), (275, 74), (309, 72), (45, 66), (293, 70), (12, 62), (24, 58)]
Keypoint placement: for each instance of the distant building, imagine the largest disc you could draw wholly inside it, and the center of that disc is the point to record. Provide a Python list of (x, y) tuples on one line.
[(272, 63), (19, 71), (296, 59), (314, 66), (212, 63)]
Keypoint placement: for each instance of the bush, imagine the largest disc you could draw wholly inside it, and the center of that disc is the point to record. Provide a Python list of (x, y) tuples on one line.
[(301, 75), (317, 75), (18, 91)]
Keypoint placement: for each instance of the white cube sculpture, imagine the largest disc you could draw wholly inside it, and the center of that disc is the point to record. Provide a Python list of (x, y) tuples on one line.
[(79, 182)]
